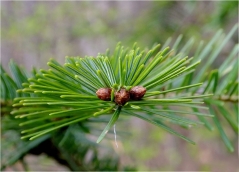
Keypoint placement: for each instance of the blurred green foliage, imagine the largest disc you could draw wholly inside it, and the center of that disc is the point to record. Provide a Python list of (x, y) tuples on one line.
[(40, 30)]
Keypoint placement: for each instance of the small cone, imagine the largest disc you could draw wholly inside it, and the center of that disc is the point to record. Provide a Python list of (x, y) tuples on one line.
[(104, 94), (137, 92), (122, 96)]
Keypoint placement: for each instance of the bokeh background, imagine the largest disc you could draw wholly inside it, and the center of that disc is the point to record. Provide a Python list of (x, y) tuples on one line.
[(32, 32)]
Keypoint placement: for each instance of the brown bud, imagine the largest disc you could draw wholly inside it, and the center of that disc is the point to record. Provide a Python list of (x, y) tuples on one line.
[(137, 92), (122, 96), (104, 94)]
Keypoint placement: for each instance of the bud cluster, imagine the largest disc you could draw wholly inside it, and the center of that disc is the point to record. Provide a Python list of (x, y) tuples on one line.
[(122, 96)]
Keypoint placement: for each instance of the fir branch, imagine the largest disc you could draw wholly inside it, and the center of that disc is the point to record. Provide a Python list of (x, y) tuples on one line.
[(67, 93)]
